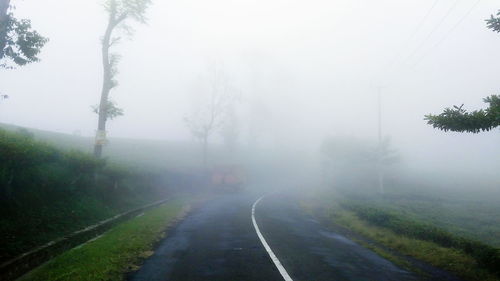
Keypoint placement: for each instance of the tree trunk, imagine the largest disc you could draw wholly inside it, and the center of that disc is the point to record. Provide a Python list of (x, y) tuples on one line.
[(106, 87), (4, 8), (205, 151)]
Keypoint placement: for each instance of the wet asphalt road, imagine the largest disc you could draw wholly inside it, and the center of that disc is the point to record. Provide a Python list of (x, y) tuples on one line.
[(219, 242)]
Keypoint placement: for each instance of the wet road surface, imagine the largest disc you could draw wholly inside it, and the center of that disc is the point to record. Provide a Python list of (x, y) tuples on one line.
[(219, 242)]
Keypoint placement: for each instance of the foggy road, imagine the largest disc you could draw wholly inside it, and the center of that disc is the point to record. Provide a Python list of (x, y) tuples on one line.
[(219, 242)]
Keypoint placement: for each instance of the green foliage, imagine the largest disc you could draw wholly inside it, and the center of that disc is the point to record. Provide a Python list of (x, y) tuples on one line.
[(458, 119), (493, 23), (487, 256), (26, 133), (20, 43), (17, 152), (114, 59), (82, 162), (46, 193), (135, 9), (112, 111)]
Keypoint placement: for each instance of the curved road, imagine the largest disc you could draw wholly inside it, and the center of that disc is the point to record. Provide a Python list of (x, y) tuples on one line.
[(219, 242)]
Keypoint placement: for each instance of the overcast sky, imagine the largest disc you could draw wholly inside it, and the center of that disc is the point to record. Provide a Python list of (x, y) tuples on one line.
[(314, 65)]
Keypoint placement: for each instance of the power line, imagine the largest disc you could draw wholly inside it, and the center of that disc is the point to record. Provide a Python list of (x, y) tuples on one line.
[(415, 32), (436, 27), (423, 56), (424, 19)]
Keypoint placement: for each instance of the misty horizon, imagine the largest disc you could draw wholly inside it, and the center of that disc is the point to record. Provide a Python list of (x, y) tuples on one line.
[(315, 69)]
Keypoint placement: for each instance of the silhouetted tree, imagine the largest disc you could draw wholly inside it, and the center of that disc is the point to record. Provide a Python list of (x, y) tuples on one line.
[(120, 12), (19, 43), (351, 157), (212, 112)]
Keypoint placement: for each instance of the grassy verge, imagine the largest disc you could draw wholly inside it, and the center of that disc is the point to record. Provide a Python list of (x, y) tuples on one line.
[(449, 258), (119, 250), (47, 192), (486, 256)]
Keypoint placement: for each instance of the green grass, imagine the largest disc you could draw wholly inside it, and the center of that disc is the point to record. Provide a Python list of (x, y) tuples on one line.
[(471, 213), (47, 192), (450, 259), (486, 256), (403, 240), (119, 250)]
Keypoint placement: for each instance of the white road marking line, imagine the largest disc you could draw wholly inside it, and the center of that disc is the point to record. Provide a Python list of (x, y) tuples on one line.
[(275, 259)]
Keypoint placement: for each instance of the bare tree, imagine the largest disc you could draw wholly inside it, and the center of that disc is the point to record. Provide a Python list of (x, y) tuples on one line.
[(212, 111), (120, 12)]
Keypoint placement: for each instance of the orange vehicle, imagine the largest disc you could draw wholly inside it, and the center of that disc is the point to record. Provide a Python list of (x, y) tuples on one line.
[(228, 178)]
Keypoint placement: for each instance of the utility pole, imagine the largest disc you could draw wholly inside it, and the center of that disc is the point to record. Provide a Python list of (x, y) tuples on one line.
[(380, 172)]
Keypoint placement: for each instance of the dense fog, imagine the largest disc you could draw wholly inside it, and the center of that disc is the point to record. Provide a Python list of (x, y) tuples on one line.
[(250, 140), (298, 73)]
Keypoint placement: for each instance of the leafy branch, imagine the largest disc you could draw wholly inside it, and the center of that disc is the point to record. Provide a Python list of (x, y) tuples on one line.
[(19, 43), (457, 119), (493, 22), (112, 111)]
